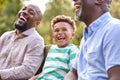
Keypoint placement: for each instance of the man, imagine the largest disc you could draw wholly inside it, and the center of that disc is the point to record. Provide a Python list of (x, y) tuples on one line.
[(99, 57), (21, 50)]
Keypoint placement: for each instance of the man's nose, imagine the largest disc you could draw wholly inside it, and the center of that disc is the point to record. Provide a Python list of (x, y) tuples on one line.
[(25, 12)]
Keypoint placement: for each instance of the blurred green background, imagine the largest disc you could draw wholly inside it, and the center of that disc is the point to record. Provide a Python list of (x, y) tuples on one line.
[(9, 9)]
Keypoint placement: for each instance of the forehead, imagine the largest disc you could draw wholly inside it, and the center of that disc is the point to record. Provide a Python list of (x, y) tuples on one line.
[(32, 7), (62, 24)]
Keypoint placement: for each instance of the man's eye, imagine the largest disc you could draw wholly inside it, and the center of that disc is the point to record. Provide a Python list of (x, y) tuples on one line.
[(31, 12), (23, 8)]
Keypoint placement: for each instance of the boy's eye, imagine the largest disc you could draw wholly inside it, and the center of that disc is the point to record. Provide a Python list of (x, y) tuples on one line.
[(56, 30), (64, 29)]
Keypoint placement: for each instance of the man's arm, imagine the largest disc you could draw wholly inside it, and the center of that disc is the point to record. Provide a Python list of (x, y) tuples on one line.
[(35, 77), (114, 73), (33, 58), (71, 75)]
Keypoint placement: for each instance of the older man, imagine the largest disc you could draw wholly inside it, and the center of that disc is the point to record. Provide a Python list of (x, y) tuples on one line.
[(99, 57)]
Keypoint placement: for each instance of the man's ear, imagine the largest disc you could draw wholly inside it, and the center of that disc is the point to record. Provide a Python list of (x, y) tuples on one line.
[(99, 2), (37, 23)]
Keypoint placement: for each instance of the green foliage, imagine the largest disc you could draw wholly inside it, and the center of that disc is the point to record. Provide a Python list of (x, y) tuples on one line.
[(54, 8), (9, 9), (12, 7), (44, 30), (79, 33), (58, 7), (115, 8)]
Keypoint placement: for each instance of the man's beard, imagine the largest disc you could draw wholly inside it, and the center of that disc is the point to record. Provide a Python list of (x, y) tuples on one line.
[(21, 27), (78, 15)]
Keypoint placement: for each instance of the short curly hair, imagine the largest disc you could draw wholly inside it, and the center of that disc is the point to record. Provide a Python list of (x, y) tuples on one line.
[(63, 18)]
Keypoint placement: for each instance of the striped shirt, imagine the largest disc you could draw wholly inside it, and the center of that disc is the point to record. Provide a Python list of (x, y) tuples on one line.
[(58, 62)]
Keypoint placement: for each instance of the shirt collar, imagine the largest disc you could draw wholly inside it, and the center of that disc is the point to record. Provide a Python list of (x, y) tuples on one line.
[(29, 32), (97, 23), (25, 33)]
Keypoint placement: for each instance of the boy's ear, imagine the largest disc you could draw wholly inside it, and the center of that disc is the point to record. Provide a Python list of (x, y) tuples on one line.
[(52, 37), (73, 34)]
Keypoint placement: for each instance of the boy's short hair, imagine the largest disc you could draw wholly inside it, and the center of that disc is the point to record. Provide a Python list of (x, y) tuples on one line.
[(63, 18)]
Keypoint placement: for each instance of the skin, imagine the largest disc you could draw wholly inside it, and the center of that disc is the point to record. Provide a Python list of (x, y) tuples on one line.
[(71, 75), (29, 16), (62, 33), (88, 11), (34, 77)]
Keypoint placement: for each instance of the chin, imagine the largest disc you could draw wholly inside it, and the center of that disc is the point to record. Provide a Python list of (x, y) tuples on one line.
[(62, 46), (21, 27), (78, 16)]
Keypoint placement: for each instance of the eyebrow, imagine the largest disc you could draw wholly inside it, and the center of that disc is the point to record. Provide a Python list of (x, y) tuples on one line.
[(75, 0)]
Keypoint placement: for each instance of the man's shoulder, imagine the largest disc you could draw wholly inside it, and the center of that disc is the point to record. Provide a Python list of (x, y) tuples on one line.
[(35, 37), (8, 33), (115, 21)]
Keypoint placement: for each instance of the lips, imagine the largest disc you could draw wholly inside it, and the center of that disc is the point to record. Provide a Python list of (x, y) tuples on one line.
[(77, 8), (60, 38), (21, 18)]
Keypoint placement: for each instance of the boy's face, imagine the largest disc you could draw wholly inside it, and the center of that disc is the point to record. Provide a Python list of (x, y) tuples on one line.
[(62, 33)]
